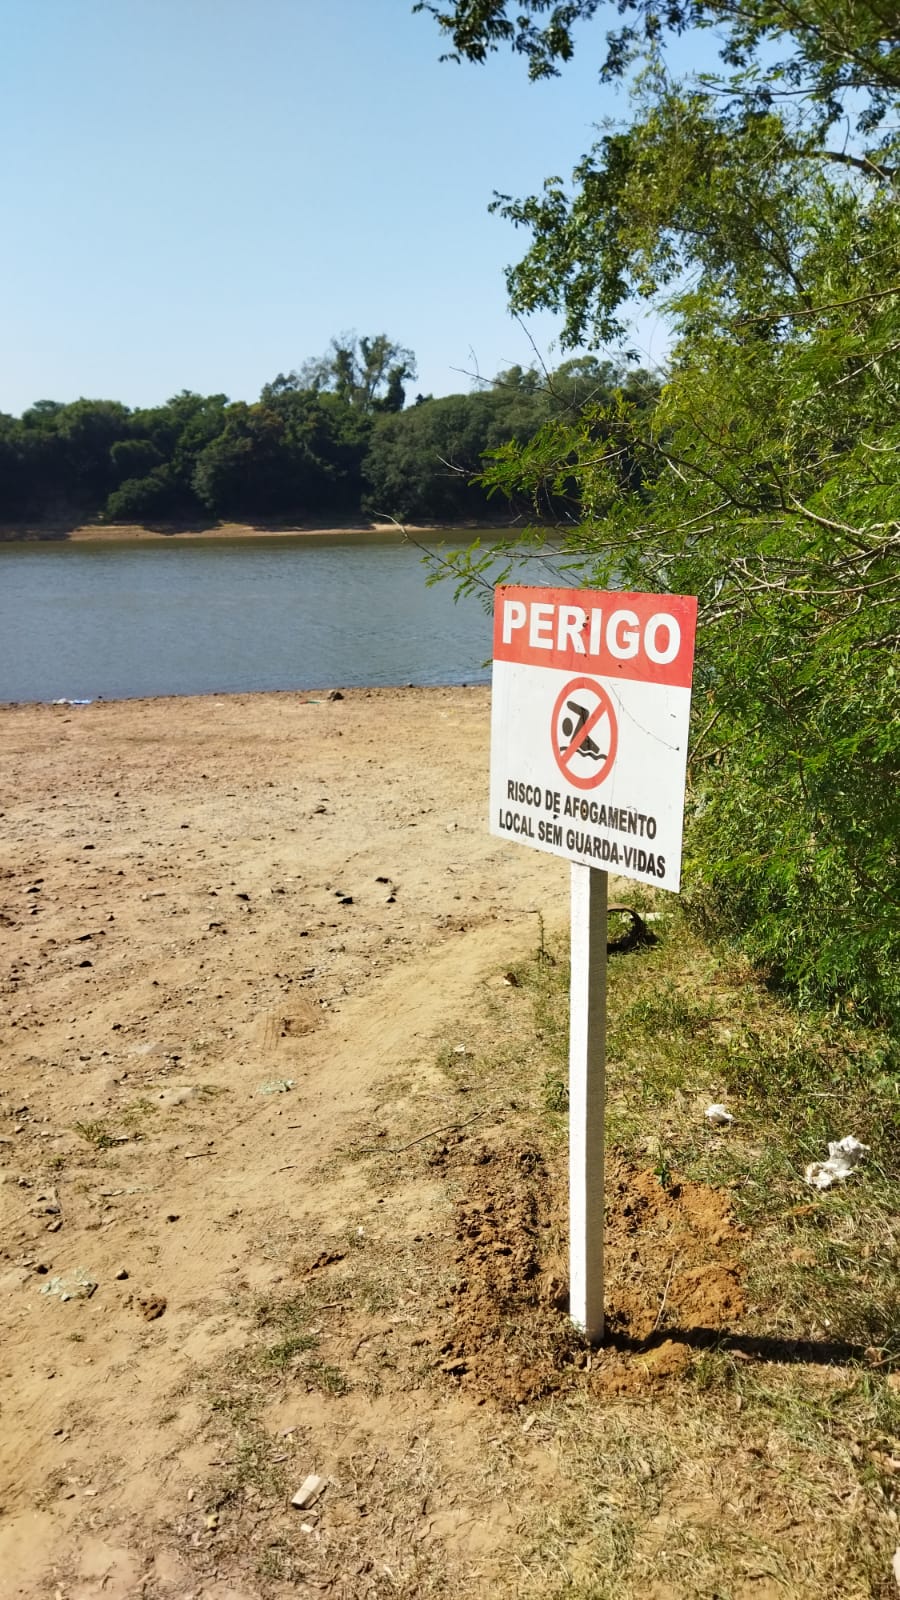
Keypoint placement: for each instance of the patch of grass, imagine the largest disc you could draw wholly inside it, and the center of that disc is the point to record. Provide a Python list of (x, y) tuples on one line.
[(296, 1348), (137, 1112), (684, 1029), (254, 1464), (288, 1316), (555, 1093), (663, 1169), (254, 1461), (283, 1353), (278, 1562), (664, 1011), (786, 1489), (376, 1293), (285, 1312), (234, 1405), (326, 1377), (252, 1467), (547, 982), (588, 1536), (96, 1133)]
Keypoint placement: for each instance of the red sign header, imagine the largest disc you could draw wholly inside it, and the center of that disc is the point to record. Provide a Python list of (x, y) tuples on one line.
[(647, 637)]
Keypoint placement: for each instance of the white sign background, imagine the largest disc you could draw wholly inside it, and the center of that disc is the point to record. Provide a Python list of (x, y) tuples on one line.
[(630, 823)]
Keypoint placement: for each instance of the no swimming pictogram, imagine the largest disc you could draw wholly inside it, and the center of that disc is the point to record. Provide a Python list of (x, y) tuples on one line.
[(584, 733)]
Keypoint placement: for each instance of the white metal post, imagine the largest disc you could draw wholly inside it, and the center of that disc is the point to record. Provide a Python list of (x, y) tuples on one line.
[(587, 1072)]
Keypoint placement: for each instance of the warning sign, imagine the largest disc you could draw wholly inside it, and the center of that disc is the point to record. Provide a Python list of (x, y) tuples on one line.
[(584, 719), (590, 711)]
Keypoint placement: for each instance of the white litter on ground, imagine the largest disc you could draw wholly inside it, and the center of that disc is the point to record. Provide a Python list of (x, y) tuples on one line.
[(77, 1285), (309, 1491), (844, 1156), (719, 1116)]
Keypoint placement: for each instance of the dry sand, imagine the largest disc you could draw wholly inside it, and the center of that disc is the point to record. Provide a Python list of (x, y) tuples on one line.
[(129, 532), (199, 897), (265, 1084)]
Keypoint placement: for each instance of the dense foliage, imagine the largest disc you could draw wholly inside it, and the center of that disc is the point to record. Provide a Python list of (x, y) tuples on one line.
[(328, 441), (759, 212)]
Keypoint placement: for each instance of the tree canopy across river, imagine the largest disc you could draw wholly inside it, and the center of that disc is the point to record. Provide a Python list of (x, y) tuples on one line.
[(329, 440)]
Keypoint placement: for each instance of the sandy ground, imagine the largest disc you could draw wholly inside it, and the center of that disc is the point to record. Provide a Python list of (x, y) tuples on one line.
[(200, 899), (129, 532)]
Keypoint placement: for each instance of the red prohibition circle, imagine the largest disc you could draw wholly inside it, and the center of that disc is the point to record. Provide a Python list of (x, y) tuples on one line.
[(562, 758)]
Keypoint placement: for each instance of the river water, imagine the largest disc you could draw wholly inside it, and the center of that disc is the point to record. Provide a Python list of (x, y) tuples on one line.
[(198, 616)]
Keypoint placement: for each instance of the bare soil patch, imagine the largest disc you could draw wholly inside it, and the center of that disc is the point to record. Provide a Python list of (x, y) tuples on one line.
[(282, 1144), (129, 532), (667, 1263), (225, 921)]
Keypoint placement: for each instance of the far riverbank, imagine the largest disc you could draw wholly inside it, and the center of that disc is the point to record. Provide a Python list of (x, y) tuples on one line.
[(130, 532)]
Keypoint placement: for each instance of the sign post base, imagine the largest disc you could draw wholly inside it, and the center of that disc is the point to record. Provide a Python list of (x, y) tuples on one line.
[(587, 1073)]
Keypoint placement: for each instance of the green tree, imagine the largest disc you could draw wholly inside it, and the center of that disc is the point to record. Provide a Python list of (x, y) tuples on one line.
[(826, 50), (153, 497), (426, 463), (180, 430), (13, 487), (295, 454), (421, 462), (368, 373), (132, 457), (768, 473), (65, 457)]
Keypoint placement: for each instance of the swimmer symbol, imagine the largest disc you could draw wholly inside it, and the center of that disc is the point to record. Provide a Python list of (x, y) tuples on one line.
[(588, 746)]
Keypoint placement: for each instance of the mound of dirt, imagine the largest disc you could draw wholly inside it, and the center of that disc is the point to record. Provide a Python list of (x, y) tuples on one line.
[(672, 1285)]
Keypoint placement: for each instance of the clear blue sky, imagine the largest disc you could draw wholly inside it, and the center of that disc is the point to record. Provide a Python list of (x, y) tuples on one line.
[(200, 193)]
